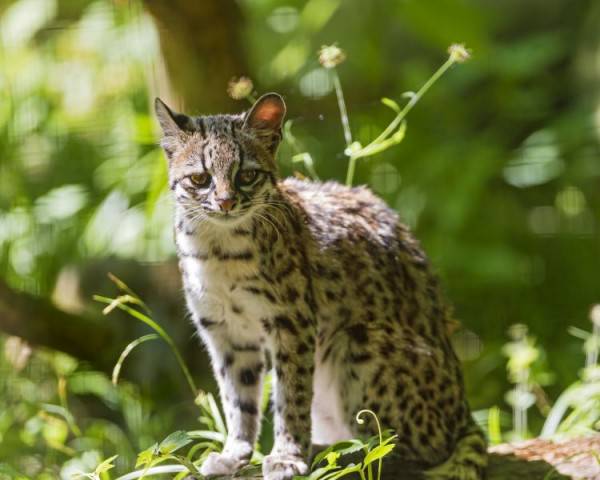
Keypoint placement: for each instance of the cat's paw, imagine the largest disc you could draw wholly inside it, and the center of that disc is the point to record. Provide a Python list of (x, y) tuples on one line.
[(283, 467), (217, 464)]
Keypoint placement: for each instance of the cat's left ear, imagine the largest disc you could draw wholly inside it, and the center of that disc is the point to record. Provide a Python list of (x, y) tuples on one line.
[(265, 119), (172, 123)]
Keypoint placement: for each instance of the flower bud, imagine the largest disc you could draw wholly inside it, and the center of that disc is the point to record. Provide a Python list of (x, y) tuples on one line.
[(330, 56), (240, 88), (459, 53)]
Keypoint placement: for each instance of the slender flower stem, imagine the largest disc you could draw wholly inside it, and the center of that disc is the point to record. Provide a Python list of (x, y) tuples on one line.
[(342, 106), (413, 101), (361, 421), (350, 172), (365, 151)]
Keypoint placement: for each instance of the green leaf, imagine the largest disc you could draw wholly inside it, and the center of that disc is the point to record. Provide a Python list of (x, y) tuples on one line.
[(377, 453), (146, 456), (388, 439), (105, 466), (55, 431), (63, 412), (332, 458), (388, 102), (266, 392), (174, 442), (320, 472), (343, 448), (342, 473)]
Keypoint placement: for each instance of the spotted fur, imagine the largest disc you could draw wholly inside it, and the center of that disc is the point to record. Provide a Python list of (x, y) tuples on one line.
[(323, 283)]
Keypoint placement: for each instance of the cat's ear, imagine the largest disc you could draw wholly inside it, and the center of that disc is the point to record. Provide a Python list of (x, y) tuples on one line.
[(265, 119), (173, 124)]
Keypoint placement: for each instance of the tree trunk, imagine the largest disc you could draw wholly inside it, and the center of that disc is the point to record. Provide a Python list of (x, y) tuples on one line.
[(202, 50)]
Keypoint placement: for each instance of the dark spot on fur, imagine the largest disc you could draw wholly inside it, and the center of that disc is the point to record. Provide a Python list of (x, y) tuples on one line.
[(236, 309), (358, 333), (248, 376), (283, 322), (247, 406)]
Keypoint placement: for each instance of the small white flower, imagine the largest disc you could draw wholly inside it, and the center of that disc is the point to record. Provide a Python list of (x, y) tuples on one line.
[(330, 56), (240, 88), (459, 53)]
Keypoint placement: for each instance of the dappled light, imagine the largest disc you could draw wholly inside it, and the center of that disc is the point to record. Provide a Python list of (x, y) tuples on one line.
[(478, 123)]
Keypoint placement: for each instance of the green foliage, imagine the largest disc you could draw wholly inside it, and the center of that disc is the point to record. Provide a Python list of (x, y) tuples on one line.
[(77, 141), (45, 436), (393, 134), (326, 464), (123, 302), (498, 177), (576, 410)]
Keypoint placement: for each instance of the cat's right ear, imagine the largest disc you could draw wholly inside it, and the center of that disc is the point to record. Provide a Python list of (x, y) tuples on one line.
[(173, 124)]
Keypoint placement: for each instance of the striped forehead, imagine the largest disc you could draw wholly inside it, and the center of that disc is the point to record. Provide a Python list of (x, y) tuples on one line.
[(228, 125), (223, 143), (222, 153)]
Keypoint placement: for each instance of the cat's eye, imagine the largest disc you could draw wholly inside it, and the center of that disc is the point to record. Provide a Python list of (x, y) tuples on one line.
[(201, 180), (246, 177)]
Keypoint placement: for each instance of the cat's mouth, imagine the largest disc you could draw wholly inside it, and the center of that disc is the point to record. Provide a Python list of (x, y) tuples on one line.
[(229, 219)]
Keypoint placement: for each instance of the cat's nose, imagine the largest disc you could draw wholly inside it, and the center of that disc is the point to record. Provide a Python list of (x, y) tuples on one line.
[(226, 204)]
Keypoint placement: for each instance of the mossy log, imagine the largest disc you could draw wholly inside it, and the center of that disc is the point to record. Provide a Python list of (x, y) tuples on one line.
[(536, 459)]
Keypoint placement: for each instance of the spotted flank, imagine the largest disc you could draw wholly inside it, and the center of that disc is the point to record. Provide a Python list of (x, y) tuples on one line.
[(320, 283)]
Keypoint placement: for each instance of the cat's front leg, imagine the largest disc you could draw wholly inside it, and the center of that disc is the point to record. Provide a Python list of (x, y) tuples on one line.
[(293, 357), (239, 367)]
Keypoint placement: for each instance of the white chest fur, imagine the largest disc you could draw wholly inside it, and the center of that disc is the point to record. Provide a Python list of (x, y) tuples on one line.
[(218, 270)]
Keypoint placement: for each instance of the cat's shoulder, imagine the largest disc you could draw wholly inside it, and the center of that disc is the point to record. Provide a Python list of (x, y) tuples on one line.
[(332, 195)]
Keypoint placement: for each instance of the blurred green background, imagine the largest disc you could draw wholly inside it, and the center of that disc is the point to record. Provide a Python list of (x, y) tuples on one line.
[(498, 176)]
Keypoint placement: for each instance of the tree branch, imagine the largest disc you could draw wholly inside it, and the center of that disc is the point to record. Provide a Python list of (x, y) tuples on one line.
[(40, 323)]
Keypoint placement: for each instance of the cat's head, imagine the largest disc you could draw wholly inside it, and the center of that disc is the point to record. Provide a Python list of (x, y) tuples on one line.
[(222, 167)]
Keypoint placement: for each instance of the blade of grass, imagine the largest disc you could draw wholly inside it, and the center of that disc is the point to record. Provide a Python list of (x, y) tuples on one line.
[(216, 414), (157, 328), (126, 351), (123, 286), (154, 471)]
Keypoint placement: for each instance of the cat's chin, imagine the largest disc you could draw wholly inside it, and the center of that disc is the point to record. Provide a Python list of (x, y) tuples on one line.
[(229, 220)]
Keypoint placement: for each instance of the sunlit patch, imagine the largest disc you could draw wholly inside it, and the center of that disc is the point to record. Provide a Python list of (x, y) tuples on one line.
[(22, 20), (385, 178), (536, 162), (60, 203), (467, 344), (543, 220), (316, 83), (570, 201), (283, 19), (410, 203), (290, 59)]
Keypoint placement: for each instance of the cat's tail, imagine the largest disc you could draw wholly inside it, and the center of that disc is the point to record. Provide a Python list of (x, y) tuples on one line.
[(469, 459)]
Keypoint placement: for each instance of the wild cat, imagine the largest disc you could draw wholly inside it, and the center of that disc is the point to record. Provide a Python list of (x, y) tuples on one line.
[(319, 282)]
